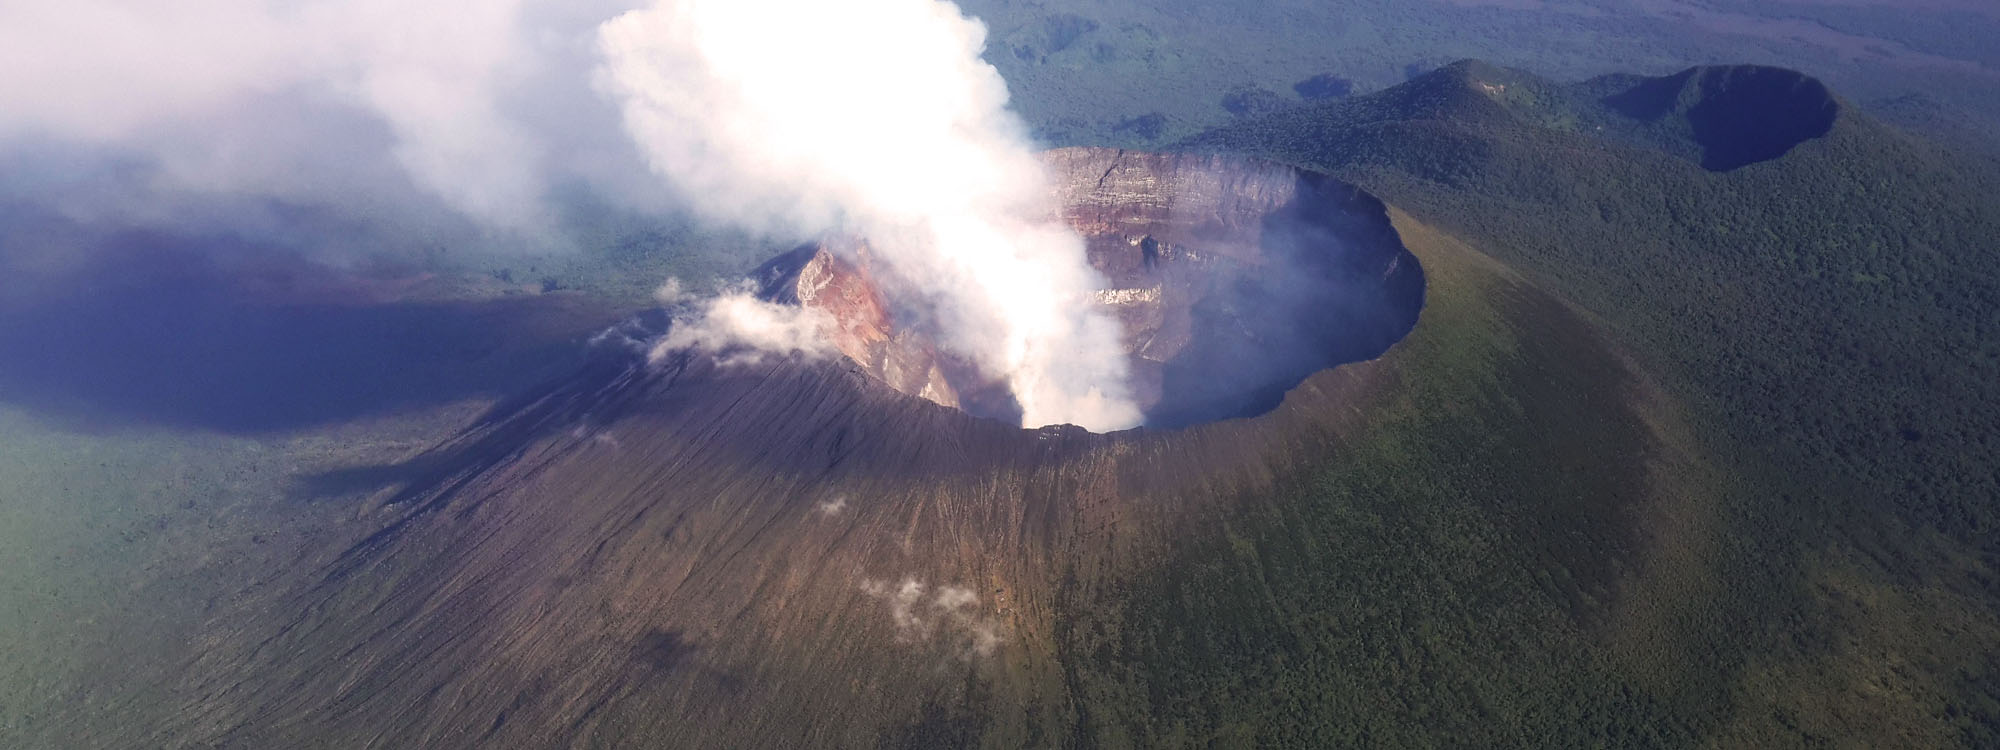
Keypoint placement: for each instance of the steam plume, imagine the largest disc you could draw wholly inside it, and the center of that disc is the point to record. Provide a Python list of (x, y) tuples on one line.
[(367, 126), (879, 119), (740, 327)]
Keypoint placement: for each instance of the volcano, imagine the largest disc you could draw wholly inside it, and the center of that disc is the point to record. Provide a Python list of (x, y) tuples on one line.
[(1232, 279), (650, 547), (1546, 514)]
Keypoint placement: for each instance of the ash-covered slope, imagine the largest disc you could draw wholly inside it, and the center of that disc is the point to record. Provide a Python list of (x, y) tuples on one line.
[(780, 554)]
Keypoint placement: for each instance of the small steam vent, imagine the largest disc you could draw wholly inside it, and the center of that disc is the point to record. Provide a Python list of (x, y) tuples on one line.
[(1233, 281)]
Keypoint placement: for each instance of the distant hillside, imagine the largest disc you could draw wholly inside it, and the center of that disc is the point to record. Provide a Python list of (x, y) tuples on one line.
[(1827, 282)]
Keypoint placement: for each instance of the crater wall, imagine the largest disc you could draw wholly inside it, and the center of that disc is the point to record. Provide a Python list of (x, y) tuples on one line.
[(1233, 279)]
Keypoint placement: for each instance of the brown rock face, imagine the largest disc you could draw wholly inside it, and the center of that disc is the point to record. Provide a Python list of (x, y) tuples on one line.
[(1233, 280), (823, 276)]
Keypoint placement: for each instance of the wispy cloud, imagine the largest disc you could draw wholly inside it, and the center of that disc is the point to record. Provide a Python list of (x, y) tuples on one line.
[(948, 613)]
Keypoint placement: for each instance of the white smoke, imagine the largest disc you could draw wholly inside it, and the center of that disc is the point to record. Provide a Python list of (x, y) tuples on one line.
[(831, 507), (741, 327), (879, 119)]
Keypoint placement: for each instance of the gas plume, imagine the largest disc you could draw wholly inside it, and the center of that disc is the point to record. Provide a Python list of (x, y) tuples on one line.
[(738, 327), (879, 119), (353, 126), (369, 126)]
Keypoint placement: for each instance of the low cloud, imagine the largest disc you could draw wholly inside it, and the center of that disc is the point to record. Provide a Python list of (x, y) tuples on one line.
[(947, 613)]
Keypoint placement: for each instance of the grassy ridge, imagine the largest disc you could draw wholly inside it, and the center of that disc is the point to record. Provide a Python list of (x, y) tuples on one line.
[(1529, 544), (1462, 573)]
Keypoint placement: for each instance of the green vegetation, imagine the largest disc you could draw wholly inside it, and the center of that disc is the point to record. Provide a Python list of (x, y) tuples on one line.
[(116, 546), (1455, 573), (1743, 285), (1827, 320)]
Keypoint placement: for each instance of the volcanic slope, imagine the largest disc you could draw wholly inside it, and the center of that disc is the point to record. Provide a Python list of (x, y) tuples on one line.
[(1499, 532)]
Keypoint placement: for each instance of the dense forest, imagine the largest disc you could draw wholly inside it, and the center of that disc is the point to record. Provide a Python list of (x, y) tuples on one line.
[(1082, 69), (1828, 314)]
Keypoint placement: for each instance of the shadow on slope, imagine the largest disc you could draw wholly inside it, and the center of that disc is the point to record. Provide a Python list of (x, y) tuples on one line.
[(160, 332)]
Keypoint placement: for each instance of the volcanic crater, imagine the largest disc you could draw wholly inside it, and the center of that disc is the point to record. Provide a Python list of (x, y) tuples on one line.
[(1232, 279)]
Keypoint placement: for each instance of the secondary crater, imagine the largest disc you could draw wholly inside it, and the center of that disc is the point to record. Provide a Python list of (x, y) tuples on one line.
[(1731, 116), (1233, 279)]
